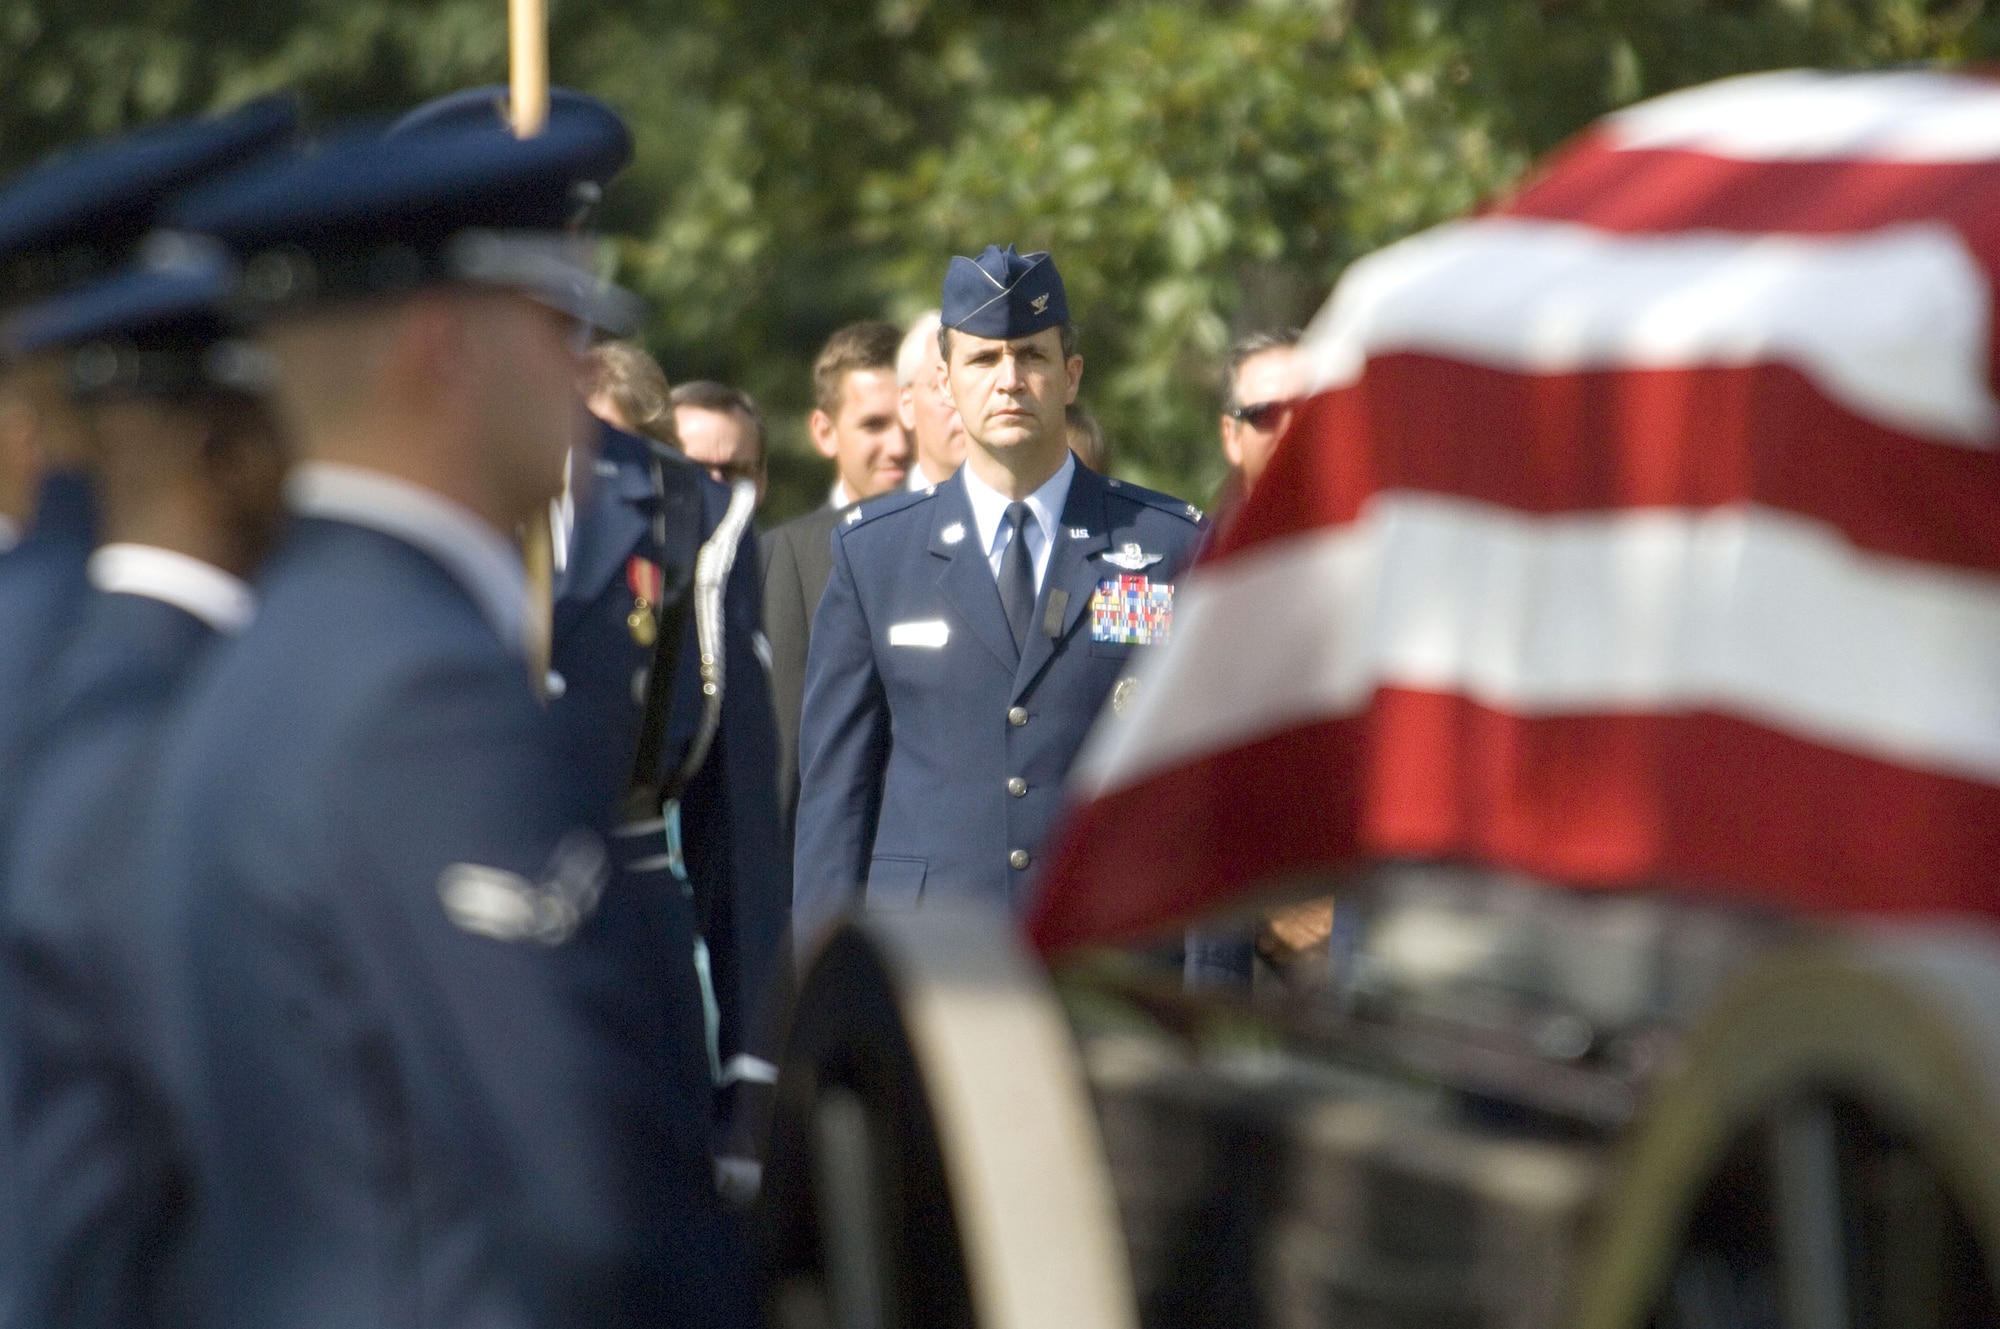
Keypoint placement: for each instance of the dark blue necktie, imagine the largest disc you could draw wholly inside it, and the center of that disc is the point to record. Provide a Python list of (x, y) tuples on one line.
[(1017, 576)]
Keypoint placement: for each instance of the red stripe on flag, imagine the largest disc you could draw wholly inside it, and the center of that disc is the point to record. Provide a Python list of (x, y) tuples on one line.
[(1702, 801), (1647, 190), (1556, 443)]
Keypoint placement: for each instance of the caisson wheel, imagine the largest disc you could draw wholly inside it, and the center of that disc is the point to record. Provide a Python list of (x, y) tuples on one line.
[(1827, 1154), (934, 1161)]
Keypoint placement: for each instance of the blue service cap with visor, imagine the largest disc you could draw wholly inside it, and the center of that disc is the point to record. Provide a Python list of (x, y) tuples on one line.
[(366, 215), (488, 108), (156, 328), (1003, 294), (75, 217)]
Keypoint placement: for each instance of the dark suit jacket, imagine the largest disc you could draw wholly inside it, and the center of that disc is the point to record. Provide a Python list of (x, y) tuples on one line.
[(434, 1040), (919, 711), (798, 559), (91, 1129)]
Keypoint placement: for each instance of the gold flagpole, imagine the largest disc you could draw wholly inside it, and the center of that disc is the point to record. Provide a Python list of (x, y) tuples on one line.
[(528, 65), (528, 103)]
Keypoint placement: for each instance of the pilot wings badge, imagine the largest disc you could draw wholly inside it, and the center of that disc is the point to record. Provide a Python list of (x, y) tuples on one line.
[(1131, 558)]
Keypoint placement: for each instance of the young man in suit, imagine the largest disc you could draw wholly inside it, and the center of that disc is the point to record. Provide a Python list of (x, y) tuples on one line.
[(855, 423)]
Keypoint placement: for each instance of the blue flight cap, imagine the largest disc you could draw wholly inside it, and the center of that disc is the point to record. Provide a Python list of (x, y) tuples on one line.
[(1003, 295), (367, 215), (76, 215), (157, 328)]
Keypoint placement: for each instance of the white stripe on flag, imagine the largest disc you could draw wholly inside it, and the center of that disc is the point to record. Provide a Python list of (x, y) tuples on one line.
[(1912, 116), (1891, 324), (1742, 610)]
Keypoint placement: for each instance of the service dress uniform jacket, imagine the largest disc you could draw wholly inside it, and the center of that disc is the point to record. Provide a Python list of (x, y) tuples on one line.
[(431, 1081), (798, 560), (96, 1163), (41, 583), (739, 869), (934, 753)]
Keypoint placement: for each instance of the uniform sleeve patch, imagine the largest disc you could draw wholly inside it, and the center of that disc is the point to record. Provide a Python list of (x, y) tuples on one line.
[(505, 906)]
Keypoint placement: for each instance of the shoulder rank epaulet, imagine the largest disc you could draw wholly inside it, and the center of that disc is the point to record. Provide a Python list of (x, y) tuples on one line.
[(882, 505), (1154, 499)]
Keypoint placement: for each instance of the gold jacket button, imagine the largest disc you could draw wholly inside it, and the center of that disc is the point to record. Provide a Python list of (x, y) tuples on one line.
[(1017, 716), (1017, 786), (1018, 859)]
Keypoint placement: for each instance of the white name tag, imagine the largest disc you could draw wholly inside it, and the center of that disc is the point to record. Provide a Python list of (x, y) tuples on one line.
[(931, 632)]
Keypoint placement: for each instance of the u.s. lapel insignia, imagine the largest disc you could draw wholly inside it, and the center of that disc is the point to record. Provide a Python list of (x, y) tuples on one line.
[(953, 533), (1131, 557), (648, 582), (1079, 532)]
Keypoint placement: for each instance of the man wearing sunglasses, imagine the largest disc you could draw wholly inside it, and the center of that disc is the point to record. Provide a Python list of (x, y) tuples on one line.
[(1260, 388), (1259, 391)]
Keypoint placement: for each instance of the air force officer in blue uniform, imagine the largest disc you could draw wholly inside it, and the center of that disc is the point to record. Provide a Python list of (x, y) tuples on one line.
[(432, 1044), (970, 634)]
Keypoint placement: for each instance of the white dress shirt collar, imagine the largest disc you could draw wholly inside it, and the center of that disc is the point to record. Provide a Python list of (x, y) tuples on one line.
[(1045, 505), (483, 561), (10, 534), (838, 497), (203, 590)]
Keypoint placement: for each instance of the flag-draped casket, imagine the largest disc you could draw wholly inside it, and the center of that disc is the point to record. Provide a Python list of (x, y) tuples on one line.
[(1642, 531)]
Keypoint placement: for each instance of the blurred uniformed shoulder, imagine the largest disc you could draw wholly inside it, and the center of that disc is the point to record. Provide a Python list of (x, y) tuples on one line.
[(1153, 498), (872, 510)]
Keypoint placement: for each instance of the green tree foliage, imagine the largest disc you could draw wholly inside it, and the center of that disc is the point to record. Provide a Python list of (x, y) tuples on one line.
[(1200, 167)]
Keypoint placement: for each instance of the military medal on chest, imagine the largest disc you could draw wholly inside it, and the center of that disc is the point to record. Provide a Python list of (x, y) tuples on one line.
[(648, 582), (1135, 610)]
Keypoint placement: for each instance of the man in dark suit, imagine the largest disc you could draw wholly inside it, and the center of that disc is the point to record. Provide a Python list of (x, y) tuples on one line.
[(856, 423), (187, 471), (449, 1071), (969, 635)]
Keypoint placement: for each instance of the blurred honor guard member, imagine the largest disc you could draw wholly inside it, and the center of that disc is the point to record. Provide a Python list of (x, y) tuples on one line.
[(640, 518), (969, 635), (188, 475), (73, 219), (437, 1070)]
